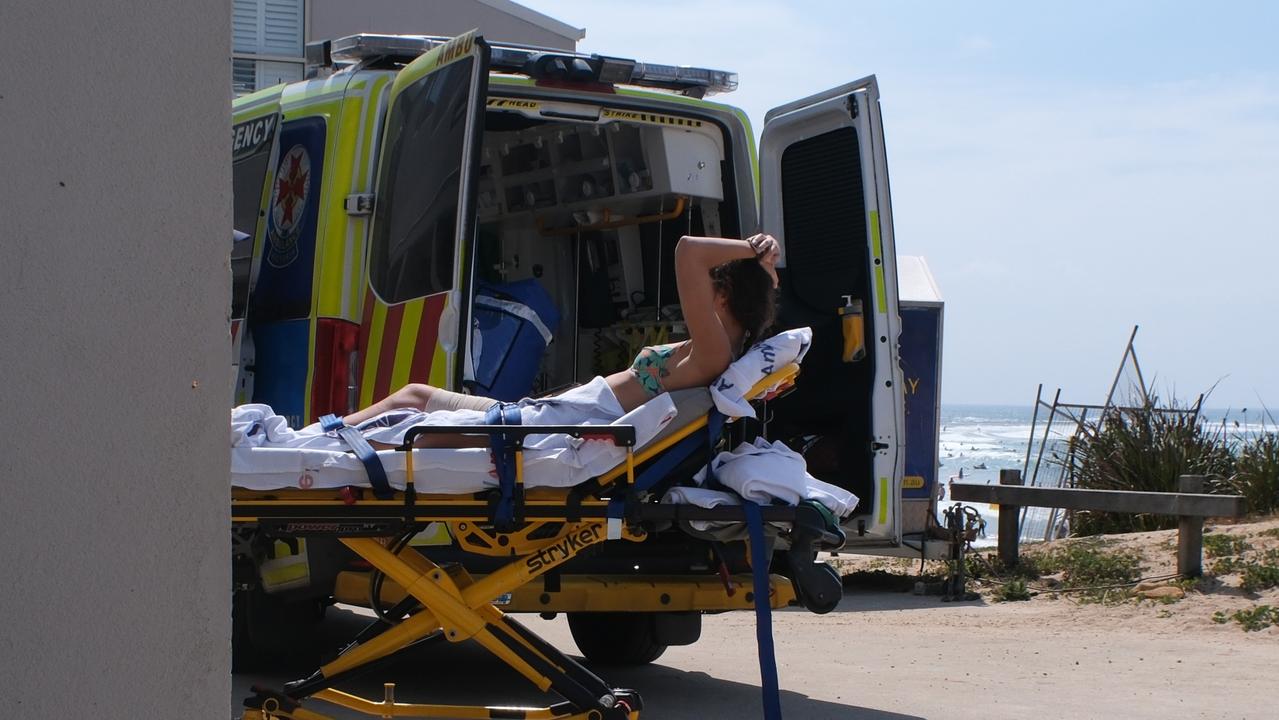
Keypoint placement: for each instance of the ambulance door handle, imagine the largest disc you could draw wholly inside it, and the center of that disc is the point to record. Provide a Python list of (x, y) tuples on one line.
[(359, 204)]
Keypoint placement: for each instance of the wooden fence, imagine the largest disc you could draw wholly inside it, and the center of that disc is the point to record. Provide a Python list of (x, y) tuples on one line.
[(1191, 505)]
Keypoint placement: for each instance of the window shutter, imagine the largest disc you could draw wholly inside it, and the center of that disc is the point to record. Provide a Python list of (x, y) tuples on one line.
[(246, 28), (282, 27)]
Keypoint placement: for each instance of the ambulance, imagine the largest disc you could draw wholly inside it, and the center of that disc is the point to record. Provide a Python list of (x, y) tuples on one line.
[(502, 219)]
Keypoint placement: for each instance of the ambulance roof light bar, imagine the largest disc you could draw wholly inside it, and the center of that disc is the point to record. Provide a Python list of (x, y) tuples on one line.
[(544, 63)]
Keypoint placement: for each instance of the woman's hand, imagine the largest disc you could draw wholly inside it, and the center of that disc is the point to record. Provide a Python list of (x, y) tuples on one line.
[(767, 252)]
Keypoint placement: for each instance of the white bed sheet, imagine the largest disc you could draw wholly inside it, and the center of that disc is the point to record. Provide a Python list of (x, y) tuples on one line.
[(444, 470)]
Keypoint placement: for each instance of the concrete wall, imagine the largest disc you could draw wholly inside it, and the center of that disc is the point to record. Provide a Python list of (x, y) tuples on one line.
[(115, 211), (336, 18)]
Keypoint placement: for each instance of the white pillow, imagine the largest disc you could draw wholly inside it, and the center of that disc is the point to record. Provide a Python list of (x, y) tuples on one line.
[(763, 359)]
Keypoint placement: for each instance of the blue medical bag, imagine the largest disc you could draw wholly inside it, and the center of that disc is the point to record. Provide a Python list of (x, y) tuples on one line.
[(511, 327)]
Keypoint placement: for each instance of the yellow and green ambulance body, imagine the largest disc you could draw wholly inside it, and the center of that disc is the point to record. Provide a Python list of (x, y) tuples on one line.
[(411, 177)]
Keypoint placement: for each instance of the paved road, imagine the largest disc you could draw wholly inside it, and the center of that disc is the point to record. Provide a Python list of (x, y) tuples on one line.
[(887, 656)]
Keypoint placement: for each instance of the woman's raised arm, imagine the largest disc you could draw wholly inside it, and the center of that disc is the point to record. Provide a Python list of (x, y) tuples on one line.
[(694, 258)]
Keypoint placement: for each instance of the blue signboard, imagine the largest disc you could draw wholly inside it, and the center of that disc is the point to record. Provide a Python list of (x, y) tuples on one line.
[(920, 362)]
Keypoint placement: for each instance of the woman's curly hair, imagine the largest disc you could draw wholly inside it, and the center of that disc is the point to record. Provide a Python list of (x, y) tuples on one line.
[(751, 297)]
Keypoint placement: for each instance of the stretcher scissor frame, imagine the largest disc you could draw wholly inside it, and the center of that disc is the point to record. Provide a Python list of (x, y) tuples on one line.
[(448, 602)]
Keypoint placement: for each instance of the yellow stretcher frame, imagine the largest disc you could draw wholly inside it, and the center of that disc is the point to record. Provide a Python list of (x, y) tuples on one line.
[(454, 604)]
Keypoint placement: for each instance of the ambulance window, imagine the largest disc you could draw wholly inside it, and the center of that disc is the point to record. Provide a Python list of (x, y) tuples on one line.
[(247, 176), (825, 216), (415, 217)]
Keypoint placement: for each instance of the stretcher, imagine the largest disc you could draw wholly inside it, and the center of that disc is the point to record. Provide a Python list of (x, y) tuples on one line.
[(531, 532)]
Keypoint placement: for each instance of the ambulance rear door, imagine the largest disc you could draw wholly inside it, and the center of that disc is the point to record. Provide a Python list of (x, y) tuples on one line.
[(824, 195), (254, 133), (423, 225)]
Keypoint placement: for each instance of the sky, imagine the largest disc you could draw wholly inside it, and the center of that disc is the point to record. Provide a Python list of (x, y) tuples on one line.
[(1069, 170)]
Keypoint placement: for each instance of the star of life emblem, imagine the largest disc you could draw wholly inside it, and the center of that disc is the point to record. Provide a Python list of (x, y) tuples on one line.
[(288, 202)]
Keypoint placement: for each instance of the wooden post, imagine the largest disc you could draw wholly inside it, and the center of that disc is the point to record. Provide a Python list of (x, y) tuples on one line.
[(1009, 526), (1190, 531)]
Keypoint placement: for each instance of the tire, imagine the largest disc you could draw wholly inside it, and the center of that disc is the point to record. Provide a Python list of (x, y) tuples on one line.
[(616, 638)]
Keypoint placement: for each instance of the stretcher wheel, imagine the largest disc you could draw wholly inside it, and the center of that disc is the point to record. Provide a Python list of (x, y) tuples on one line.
[(818, 587), (616, 638)]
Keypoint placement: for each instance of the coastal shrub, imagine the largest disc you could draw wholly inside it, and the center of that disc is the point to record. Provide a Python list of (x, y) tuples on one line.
[(1144, 449), (1226, 566), (1256, 474), (1261, 574), (1011, 591), (1223, 545), (1252, 619), (989, 566), (1089, 566)]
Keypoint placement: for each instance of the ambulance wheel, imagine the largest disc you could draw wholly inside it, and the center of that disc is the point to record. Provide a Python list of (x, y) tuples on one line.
[(616, 638)]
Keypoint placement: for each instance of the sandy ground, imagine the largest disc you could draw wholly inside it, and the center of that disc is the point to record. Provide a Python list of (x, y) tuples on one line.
[(892, 655), (1158, 553)]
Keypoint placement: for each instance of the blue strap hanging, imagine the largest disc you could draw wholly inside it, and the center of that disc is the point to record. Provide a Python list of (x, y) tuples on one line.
[(504, 515), (760, 558), (363, 452)]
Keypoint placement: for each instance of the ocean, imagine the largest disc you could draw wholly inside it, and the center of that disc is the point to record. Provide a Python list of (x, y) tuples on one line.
[(977, 441)]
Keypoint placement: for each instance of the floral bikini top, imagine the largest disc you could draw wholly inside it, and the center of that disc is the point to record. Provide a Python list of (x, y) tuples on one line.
[(650, 367)]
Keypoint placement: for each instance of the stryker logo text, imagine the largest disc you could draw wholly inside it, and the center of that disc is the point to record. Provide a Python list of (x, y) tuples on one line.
[(564, 549)]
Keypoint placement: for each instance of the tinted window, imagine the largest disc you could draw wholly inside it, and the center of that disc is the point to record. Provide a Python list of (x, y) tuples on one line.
[(415, 220), (251, 143), (824, 216)]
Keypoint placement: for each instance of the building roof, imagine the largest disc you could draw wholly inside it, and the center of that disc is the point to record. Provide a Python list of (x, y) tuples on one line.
[(530, 15)]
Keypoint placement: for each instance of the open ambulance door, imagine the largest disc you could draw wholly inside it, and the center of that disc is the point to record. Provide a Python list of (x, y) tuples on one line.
[(824, 196), (254, 136), (421, 237)]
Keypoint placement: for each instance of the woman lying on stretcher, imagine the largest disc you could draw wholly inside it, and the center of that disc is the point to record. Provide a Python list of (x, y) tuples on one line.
[(727, 294)]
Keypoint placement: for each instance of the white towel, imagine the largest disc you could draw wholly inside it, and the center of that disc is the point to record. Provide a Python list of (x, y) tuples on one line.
[(757, 363), (311, 458), (256, 425), (764, 472)]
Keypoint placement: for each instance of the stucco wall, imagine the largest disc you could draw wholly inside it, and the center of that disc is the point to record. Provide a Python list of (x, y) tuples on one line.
[(335, 18), (114, 287)]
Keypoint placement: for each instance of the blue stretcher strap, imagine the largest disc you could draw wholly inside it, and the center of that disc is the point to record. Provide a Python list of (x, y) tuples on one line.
[(503, 463), (673, 456), (363, 452), (763, 613)]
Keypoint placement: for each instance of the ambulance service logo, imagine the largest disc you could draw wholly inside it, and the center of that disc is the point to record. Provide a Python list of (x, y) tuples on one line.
[(288, 203)]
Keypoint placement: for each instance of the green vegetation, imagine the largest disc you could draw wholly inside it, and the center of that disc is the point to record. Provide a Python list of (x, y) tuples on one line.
[(1011, 590), (1261, 574), (1087, 563), (1256, 474), (1147, 449), (1222, 545), (1258, 571), (1258, 617), (1226, 566)]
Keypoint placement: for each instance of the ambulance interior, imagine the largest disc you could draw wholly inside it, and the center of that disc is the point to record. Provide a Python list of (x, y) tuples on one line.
[(593, 209)]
